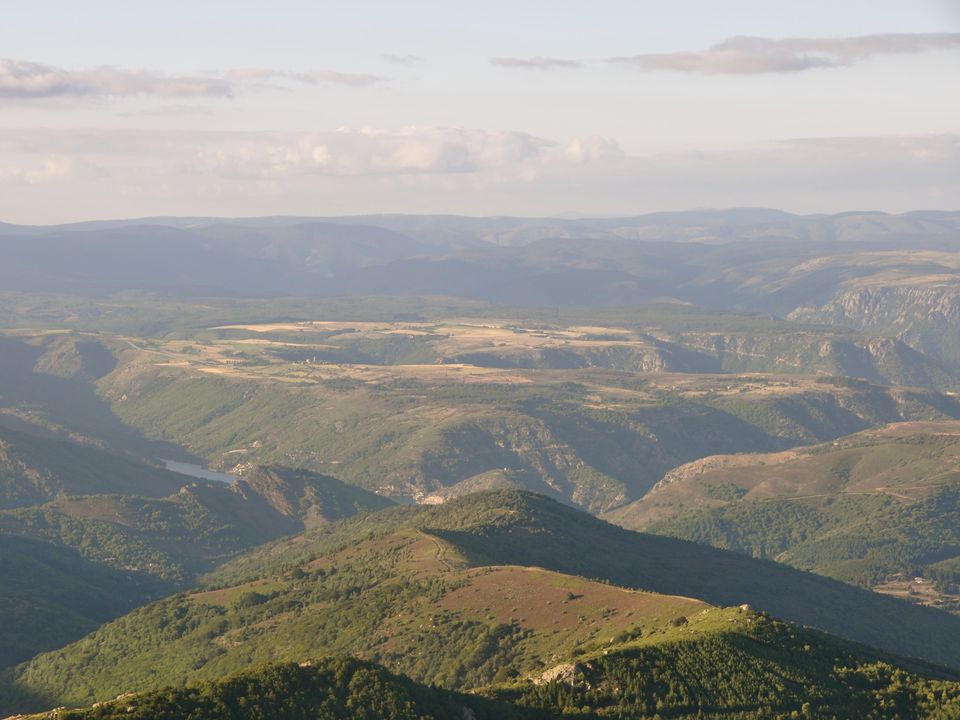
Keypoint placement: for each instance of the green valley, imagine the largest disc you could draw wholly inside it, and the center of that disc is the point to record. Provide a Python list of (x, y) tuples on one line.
[(435, 414)]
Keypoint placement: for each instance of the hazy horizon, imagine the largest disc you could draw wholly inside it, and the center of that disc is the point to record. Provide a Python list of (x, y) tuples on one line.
[(563, 216), (539, 110)]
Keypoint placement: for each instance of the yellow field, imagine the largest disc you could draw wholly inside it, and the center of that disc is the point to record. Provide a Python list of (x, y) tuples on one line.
[(259, 358)]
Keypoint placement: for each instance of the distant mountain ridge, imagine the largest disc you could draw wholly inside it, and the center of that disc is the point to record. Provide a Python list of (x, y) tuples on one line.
[(890, 274), (500, 230)]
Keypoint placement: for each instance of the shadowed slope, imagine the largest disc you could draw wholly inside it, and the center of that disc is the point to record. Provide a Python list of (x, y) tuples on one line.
[(520, 528)]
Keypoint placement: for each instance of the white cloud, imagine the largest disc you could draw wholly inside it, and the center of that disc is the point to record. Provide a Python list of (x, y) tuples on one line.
[(405, 60), (753, 55), (373, 151), (592, 149), (21, 79), (53, 168), (535, 63), (168, 111), (315, 77), (743, 55), (88, 173)]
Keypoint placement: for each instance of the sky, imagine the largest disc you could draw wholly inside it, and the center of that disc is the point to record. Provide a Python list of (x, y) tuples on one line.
[(133, 109)]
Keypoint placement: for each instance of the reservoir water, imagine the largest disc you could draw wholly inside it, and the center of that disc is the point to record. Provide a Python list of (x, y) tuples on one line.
[(197, 471)]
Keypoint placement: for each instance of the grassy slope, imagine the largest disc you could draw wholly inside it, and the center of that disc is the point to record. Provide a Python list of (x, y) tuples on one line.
[(404, 599), (539, 532), (451, 595), (859, 509)]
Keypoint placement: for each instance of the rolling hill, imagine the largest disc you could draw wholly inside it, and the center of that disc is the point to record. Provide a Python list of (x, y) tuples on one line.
[(862, 508), (454, 594)]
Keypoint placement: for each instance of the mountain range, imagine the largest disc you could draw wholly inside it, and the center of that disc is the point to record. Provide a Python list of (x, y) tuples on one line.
[(680, 465)]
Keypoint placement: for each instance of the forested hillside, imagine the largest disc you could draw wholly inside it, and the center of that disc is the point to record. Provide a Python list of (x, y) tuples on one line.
[(666, 681)]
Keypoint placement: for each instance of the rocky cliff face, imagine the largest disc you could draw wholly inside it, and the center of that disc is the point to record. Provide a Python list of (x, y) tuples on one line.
[(924, 317), (650, 354), (886, 306), (879, 359), (883, 360)]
